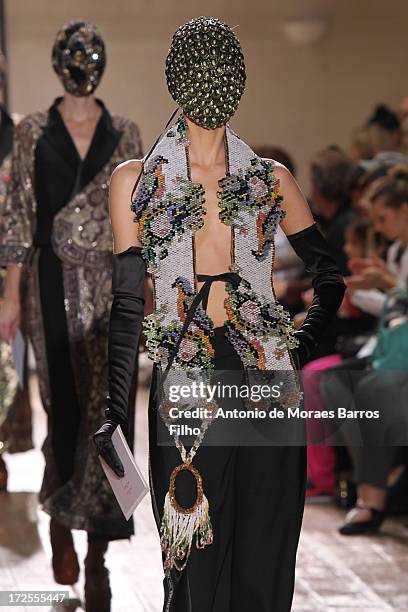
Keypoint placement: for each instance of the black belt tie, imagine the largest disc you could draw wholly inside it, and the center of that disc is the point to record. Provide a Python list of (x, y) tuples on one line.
[(202, 296)]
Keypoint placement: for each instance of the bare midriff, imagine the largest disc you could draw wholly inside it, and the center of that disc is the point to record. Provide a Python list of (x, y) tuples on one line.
[(212, 253)]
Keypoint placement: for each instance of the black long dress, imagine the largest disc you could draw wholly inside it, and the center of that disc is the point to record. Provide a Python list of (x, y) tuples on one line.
[(256, 496), (60, 174)]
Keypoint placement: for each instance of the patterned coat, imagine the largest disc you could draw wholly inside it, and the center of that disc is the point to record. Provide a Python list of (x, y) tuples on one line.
[(82, 240), (15, 409)]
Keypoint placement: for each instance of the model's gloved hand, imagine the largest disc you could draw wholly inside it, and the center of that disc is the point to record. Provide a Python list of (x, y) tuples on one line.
[(125, 327), (328, 285)]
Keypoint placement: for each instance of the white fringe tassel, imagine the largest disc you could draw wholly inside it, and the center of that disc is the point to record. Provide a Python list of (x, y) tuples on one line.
[(177, 532)]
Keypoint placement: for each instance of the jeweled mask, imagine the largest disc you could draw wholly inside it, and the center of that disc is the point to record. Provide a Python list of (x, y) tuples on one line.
[(205, 71), (79, 58)]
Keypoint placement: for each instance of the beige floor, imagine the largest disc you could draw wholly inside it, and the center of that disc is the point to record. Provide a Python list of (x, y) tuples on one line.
[(334, 574)]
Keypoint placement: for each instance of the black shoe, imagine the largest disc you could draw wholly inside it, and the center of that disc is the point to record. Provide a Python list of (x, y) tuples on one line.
[(361, 527), (64, 558)]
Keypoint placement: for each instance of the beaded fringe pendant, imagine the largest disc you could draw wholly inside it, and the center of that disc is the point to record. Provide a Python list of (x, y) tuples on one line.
[(179, 525)]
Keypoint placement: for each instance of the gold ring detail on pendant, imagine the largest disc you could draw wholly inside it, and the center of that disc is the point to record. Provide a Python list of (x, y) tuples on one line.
[(172, 490)]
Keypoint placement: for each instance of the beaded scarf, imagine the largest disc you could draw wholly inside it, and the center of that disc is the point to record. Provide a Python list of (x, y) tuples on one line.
[(169, 209)]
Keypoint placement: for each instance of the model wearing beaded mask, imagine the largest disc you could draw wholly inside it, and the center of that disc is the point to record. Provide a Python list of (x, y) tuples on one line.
[(205, 71), (201, 219), (56, 227), (79, 58)]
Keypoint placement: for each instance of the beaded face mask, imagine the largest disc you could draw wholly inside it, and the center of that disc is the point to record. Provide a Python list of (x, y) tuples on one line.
[(79, 58), (205, 71)]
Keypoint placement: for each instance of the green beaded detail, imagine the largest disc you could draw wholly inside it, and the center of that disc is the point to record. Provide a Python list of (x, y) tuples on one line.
[(252, 321), (161, 214), (196, 350), (254, 191), (181, 128)]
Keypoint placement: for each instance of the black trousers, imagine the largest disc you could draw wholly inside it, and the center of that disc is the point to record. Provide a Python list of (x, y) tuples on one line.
[(375, 447), (256, 497)]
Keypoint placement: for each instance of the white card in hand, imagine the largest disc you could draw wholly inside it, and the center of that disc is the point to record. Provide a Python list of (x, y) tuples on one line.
[(132, 487)]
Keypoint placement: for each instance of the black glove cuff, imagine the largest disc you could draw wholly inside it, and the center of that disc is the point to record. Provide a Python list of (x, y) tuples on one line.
[(125, 326), (327, 280), (104, 432), (115, 417), (128, 272)]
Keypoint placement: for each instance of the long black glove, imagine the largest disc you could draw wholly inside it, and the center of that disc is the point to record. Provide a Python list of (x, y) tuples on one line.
[(125, 327), (328, 285)]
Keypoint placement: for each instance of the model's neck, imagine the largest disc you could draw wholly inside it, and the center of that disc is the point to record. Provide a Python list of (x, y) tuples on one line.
[(206, 146), (83, 108)]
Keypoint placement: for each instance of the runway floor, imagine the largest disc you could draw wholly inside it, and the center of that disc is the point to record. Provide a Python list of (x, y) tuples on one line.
[(334, 573)]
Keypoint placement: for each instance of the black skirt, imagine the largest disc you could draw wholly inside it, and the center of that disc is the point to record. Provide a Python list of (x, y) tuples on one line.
[(256, 497)]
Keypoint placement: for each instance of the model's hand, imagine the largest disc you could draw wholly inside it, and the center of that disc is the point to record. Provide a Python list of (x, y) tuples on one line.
[(307, 297), (371, 278), (397, 321), (103, 442), (10, 317), (357, 264), (380, 278), (299, 319)]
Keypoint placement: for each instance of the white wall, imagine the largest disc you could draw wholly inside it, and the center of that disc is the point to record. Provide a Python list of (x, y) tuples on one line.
[(300, 98)]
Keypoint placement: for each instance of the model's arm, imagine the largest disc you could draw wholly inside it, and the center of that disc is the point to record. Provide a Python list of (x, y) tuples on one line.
[(125, 324), (309, 244), (124, 229)]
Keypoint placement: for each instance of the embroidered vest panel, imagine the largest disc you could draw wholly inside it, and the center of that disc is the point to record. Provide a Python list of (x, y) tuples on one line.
[(169, 209)]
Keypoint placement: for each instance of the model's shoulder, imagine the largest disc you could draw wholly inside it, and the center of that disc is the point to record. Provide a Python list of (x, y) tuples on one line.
[(31, 122), (280, 170), (16, 118), (127, 171), (34, 118), (124, 123), (122, 183)]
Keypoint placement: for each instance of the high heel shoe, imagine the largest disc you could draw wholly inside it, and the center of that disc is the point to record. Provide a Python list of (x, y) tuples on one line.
[(3, 475), (362, 527), (97, 588), (64, 558)]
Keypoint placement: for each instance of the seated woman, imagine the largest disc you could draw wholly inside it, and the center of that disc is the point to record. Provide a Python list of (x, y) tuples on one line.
[(370, 387), (321, 457)]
